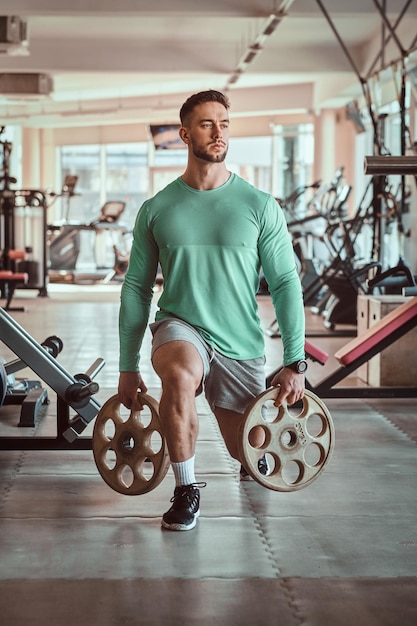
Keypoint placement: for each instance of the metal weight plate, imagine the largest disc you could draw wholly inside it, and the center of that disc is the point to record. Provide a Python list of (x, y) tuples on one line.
[(297, 440), (129, 447)]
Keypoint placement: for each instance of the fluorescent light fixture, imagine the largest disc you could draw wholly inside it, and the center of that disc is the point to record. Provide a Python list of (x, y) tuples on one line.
[(256, 47), (272, 23)]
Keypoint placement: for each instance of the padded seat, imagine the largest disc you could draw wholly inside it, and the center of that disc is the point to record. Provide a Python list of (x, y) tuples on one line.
[(7, 276), (376, 333), (8, 282), (315, 353)]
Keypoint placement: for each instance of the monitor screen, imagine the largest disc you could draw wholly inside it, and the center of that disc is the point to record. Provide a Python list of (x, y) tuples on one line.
[(166, 137)]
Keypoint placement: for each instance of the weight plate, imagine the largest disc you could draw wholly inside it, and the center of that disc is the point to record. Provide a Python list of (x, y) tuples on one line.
[(296, 440), (53, 345), (129, 447)]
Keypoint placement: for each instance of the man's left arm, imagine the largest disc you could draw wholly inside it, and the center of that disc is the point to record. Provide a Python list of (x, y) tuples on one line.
[(278, 264)]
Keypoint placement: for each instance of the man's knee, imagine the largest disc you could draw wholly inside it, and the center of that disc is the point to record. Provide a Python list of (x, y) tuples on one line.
[(180, 379), (178, 365)]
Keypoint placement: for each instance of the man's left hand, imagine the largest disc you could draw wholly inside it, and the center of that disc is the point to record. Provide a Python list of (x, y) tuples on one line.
[(291, 386)]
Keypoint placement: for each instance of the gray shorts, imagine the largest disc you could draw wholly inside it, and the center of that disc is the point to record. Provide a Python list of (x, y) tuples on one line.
[(227, 383)]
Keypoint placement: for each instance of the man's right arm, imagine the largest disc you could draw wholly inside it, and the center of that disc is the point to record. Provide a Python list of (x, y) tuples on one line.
[(135, 303)]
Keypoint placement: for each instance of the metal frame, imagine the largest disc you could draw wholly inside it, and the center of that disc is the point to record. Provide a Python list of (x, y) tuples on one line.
[(73, 392)]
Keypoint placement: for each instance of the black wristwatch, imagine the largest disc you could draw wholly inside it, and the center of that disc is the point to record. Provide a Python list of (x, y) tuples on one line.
[(299, 366)]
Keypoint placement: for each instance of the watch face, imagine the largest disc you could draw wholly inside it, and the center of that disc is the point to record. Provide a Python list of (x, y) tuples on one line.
[(302, 366)]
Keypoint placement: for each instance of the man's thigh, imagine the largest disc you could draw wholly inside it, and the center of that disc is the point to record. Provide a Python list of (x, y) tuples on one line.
[(178, 360), (178, 348)]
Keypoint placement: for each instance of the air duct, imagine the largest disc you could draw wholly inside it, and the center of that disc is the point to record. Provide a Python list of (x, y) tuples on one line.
[(29, 86), (13, 35)]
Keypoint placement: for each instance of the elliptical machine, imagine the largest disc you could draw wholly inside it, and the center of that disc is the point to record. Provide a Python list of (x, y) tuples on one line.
[(64, 238)]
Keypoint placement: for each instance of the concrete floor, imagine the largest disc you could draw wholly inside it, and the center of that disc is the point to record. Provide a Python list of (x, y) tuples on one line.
[(341, 552)]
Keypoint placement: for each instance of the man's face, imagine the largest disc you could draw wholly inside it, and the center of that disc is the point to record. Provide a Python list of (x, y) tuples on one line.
[(208, 132)]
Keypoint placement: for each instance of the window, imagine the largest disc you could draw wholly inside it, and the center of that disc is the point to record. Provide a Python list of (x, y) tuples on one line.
[(84, 162), (294, 156), (250, 157), (127, 177)]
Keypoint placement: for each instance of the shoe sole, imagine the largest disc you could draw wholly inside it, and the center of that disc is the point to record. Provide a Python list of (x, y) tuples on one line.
[(177, 526)]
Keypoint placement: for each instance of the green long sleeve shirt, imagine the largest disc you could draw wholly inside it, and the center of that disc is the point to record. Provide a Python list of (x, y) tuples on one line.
[(211, 246)]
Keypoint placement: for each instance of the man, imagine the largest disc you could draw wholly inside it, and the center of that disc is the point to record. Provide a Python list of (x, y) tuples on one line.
[(211, 232)]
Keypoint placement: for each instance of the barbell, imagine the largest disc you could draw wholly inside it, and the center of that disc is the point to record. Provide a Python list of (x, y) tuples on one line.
[(385, 165)]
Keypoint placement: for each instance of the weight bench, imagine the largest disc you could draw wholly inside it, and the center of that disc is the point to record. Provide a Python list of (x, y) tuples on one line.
[(358, 351), (8, 282), (74, 393)]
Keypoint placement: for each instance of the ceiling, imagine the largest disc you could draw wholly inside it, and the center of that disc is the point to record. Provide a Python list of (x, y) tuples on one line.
[(136, 60)]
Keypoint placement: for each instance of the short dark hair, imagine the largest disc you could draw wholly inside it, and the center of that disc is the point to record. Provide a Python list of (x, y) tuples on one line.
[(200, 98)]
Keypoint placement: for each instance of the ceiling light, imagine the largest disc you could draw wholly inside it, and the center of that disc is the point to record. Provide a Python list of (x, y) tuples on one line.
[(257, 46), (272, 23)]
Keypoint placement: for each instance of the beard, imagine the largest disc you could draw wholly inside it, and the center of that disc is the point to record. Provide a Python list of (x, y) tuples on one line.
[(205, 155)]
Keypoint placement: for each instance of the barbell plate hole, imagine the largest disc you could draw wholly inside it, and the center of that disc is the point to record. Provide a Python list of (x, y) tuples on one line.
[(314, 455), (123, 413), (144, 417), (126, 476), (109, 430), (128, 444), (272, 464), (292, 472), (156, 442), (257, 437), (269, 412), (148, 471), (296, 409), (316, 425), (110, 459), (289, 439)]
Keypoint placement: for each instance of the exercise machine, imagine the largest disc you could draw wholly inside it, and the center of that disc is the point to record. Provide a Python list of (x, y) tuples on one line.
[(65, 238), (76, 406), (9, 281), (400, 277), (358, 351), (22, 229), (29, 394)]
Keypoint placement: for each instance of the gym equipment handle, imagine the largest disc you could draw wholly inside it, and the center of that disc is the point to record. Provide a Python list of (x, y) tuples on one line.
[(384, 165), (79, 393), (95, 367)]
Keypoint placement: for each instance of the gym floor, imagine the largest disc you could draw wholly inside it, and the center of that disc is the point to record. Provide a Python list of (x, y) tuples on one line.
[(340, 552)]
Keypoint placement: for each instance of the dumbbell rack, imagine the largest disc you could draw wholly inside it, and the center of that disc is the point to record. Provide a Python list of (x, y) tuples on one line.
[(74, 393)]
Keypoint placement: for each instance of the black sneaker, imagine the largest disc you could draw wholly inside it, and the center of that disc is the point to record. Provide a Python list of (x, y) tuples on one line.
[(262, 466), (185, 508)]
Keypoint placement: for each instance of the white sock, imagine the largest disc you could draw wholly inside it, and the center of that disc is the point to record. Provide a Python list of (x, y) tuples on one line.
[(184, 472)]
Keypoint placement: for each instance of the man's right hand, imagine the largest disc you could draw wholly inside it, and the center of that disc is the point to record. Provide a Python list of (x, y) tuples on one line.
[(129, 385)]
